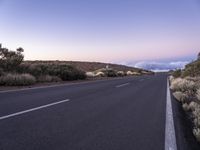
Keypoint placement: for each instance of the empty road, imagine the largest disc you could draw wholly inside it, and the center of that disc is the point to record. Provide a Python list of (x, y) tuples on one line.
[(118, 114)]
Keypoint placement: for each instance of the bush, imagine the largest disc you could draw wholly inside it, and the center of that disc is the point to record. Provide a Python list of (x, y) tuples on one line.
[(194, 79), (192, 69), (37, 69), (183, 85), (120, 73), (48, 78), (129, 73), (196, 116), (196, 133), (100, 74), (177, 73), (180, 96), (63, 71), (17, 79), (1, 72), (198, 94), (193, 106), (111, 73), (90, 74), (70, 73), (171, 78), (186, 107)]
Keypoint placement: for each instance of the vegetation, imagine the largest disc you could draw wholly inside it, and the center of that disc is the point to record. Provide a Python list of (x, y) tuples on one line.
[(185, 85), (177, 73), (17, 79), (10, 60), (191, 70), (14, 71)]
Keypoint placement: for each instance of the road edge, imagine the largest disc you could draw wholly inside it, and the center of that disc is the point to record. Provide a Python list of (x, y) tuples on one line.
[(170, 136)]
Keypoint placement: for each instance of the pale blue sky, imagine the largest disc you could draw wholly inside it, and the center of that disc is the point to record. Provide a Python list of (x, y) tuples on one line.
[(102, 30)]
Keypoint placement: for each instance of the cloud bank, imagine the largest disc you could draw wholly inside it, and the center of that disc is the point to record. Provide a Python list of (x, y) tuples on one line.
[(161, 66)]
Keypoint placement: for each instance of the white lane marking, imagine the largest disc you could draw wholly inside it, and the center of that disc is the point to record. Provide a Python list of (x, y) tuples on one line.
[(125, 84), (32, 109), (170, 138)]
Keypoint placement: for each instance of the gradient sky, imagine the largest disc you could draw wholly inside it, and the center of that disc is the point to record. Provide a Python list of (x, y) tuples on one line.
[(102, 30)]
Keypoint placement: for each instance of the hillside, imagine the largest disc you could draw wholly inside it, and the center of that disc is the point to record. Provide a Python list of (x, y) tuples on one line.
[(185, 86), (192, 69), (92, 66)]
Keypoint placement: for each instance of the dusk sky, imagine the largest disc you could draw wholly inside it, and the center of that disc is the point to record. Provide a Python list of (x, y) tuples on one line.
[(120, 31)]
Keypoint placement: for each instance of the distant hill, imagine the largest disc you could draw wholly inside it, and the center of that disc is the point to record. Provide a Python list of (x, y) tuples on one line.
[(92, 66)]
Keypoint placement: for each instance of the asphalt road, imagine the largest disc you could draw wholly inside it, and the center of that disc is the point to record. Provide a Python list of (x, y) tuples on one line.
[(117, 114)]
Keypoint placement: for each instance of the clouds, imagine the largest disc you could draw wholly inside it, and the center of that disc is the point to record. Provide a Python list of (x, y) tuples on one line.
[(161, 66)]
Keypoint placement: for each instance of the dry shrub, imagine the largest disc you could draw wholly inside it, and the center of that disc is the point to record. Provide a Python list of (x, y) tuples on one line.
[(196, 133), (171, 78), (129, 73), (196, 112), (177, 73), (197, 122), (90, 74), (182, 85), (17, 79), (48, 78), (180, 96), (197, 84), (193, 106), (100, 74), (198, 94), (120, 73), (186, 107), (194, 79)]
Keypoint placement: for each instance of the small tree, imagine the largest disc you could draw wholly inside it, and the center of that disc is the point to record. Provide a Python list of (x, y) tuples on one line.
[(10, 60)]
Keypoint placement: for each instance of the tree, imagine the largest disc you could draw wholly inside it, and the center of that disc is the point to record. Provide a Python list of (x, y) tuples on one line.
[(10, 60)]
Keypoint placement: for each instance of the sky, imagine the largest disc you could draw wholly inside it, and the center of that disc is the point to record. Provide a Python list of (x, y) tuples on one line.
[(130, 32)]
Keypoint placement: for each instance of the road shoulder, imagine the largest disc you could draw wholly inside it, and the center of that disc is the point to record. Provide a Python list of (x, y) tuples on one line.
[(184, 137)]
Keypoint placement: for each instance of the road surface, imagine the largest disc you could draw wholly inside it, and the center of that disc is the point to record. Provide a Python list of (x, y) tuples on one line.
[(117, 114)]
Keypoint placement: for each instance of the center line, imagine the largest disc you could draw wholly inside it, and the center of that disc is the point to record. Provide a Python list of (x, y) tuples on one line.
[(125, 84), (32, 109)]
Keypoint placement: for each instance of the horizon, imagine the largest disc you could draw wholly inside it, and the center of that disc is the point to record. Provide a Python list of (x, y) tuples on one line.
[(128, 32)]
